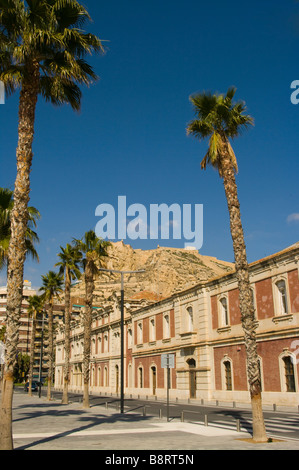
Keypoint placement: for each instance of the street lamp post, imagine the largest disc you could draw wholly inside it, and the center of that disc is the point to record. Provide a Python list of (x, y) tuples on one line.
[(41, 358), (122, 297)]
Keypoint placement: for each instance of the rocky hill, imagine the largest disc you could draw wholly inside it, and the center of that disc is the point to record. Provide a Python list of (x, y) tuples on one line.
[(167, 271)]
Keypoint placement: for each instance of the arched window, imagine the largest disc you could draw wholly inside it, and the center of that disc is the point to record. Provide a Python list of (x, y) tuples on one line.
[(129, 338), (282, 297), (192, 377), (140, 378), (106, 343), (289, 374), (139, 333), (223, 311), (190, 319), (130, 376), (166, 327), (106, 377), (152, 330), (227, 375)]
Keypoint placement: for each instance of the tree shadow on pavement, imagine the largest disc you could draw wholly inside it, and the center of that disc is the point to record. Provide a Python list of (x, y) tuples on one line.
[(93, 421)]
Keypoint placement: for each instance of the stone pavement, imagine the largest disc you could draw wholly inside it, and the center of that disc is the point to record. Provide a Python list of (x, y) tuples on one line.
[(42, 425)]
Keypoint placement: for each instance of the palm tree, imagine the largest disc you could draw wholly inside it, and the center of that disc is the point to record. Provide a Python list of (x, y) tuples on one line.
[(42, 52), (220, 119), (69, 266), (34, 310), (6, 206), (93, 252), (51, 288)]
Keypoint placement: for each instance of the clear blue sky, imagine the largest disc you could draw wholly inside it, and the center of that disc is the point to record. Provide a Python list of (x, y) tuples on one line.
[(130, 138)]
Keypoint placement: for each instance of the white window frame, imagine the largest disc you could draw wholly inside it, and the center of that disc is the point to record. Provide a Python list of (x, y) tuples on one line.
[(106, 343), (281, 309), (190, 318), (140, 332), (152, 329), (282, 371), (223, 373), (166, 326), (223, 313), (130, 338), (140, 368)]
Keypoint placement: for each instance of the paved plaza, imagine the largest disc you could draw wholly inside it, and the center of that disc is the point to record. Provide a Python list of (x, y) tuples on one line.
[(42, 425)]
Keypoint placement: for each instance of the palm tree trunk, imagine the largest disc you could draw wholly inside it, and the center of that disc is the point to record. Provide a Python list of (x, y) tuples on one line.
[(50, 349), (245, 295), (67, 327), (17, 247), (32, 343), (89, 288)]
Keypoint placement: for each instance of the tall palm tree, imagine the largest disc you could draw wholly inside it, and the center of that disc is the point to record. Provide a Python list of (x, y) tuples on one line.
[(42, 52), (6, 206), (35, 308), (69, 266), (221, 119), (51, 288), (93, 252)]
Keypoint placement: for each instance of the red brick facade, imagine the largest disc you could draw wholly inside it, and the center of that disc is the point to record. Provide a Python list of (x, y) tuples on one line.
[(208, 343)]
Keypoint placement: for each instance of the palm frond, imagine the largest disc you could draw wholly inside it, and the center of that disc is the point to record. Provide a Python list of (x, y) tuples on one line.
[(219, 118), (51, 32)]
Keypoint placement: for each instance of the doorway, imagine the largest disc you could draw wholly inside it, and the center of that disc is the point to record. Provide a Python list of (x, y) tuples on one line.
[(192, 378)]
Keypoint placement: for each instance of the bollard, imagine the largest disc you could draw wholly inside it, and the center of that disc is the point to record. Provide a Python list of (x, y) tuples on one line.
[(182, 416), (234, 404), (106, 405), (206, 420), (238, 426), (217, 402), (274, 406), (160, 413), (144, 411)]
